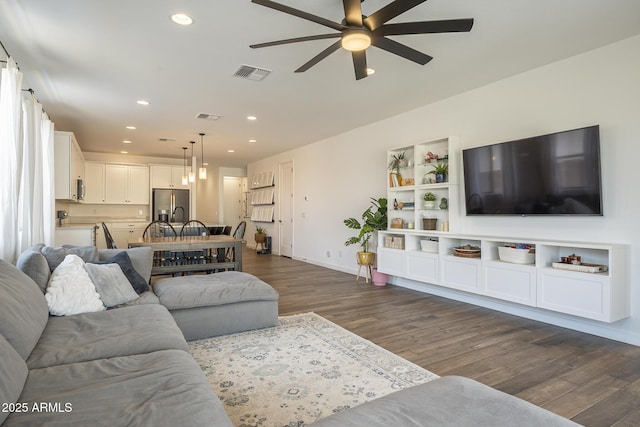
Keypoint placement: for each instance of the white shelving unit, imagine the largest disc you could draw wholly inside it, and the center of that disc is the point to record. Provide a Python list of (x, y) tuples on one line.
[(599, 296), (416, 181), (262, 197)]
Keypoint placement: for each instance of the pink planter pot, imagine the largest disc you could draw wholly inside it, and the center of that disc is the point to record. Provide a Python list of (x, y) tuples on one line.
[(378, 279)]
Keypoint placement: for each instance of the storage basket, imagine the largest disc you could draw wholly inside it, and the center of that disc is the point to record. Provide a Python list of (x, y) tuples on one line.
[(429, 246), (429, 223), (394, 242), (516, 256)]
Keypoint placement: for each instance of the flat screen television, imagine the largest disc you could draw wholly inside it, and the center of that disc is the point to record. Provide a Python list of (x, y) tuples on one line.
[(554, 174)]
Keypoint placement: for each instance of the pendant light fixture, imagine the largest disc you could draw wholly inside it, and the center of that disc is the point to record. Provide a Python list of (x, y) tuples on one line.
[(192, 172), (185, 178), (202, 172)]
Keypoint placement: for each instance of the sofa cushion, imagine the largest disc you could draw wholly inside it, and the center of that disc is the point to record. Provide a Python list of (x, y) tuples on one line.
[(70, 290), (35, 265), (55, 255), (212, 289), (163, 388), (447, 401), (111, 284), (118, 332), (13, 374), (141, 258), (23, 309), (122, 258)]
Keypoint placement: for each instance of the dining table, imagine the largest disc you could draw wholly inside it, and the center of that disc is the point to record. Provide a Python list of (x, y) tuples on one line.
[(219, 252)]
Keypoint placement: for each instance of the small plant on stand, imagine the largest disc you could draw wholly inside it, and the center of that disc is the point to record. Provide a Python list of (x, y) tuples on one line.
[(260, 237), (429, 200), (440, 170)]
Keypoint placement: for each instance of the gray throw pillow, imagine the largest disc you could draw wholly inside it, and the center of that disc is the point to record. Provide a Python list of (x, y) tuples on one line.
[(112, 285), (35, 265), (55, 256), (141, 258), (122, 259)]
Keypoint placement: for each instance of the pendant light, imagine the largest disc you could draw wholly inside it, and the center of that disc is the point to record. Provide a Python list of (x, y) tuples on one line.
[(185, 178), (192, 172), (202, 172)]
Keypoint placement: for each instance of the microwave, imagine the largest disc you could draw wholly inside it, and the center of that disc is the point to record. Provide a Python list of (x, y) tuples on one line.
[(80, 189)]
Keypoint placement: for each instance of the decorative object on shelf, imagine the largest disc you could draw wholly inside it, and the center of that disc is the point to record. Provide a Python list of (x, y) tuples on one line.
[(408, 182), (429, 223), (444, 203), (429, 246), (444, 226), (374, 218), (408, 205), (397, 162), (394, 242), (583, 267), (396, 223), (440, 170), (430, 157), (410, 224), (517, 254), (429, 200), (467, 251), (428, 179), (395, 204)]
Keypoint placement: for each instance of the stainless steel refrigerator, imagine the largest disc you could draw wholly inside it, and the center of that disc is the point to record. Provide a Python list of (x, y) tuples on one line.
[(170, 205)]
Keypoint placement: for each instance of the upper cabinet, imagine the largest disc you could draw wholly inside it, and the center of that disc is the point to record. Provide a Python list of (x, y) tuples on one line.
[(126, 184), (117, 184), (167, 176), (68, 167)]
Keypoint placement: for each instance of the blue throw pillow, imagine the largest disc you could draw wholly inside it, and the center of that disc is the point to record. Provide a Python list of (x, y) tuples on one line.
[(122, 259)]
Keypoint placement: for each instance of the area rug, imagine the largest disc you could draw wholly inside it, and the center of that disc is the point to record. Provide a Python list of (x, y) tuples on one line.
[(300, 371)]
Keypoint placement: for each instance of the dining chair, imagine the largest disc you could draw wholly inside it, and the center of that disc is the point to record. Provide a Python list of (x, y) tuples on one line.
[(161, 229), (111, 244), (194, 228), (227, 230), (238, 233)]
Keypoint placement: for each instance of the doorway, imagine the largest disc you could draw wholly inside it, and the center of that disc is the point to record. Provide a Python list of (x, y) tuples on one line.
[(232, 201), (286, 209)]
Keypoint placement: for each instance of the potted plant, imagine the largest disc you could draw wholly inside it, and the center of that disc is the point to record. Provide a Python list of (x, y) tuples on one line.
[(397, 161), (440, 170), (429, 200), (373, 219), (260, 236)]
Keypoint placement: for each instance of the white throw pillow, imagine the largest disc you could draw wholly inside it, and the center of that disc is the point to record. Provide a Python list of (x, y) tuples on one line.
[(70, 290)]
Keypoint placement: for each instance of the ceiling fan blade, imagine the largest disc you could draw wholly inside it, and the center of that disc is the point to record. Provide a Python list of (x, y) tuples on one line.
[(389, 12), (353, 12), (296, 40), (319, 57), (425, 27), (360, 64), (300, 14), (401, 50)]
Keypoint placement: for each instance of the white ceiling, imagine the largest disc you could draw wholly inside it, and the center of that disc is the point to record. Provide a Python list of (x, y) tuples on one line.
[(90, 60)]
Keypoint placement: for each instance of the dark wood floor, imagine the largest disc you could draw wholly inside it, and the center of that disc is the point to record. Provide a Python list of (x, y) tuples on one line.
[(591, 380)]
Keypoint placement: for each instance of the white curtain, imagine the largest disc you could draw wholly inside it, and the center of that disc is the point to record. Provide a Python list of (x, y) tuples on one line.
[(26, 168)]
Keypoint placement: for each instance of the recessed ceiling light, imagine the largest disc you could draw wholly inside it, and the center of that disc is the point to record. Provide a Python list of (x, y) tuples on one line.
[(124, 152), (143, 102), (126, 141), (131, 127), (370, 71), (252, 118), (231, 151), (181, 19), (252, 140)]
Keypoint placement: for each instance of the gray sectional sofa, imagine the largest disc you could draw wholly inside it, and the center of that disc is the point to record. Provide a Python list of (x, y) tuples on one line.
[(125, 366), (130, 366)]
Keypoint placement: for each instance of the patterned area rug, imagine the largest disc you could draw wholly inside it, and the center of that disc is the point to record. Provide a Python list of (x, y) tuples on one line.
[(300, 371)]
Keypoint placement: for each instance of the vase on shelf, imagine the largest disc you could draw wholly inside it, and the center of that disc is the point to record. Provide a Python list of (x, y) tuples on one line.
[(429, 204)]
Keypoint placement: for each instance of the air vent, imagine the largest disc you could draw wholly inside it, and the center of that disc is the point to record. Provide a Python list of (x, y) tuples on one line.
[(207, 116), (166, 140), (252, 73)]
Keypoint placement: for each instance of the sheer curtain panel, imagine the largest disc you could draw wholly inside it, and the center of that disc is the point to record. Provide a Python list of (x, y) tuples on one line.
[(26, 168)]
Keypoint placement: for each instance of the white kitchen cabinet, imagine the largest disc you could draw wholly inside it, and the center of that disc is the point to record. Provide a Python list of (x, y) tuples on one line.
[(126, 184), (167, 176), (77, 235), (121, 232), (68, 166), (94, 182)]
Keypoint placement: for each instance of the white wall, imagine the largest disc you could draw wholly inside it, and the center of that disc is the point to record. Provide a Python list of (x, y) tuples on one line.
[(341, 173)]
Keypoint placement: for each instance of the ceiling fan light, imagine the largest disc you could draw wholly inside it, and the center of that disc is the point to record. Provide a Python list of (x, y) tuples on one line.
[(356, 40)]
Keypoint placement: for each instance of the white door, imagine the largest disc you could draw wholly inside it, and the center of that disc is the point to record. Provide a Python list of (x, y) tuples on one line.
[(232, 208), (286, 209)]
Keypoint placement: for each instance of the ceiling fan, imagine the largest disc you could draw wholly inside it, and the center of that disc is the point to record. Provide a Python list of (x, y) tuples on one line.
[(358, 32)]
